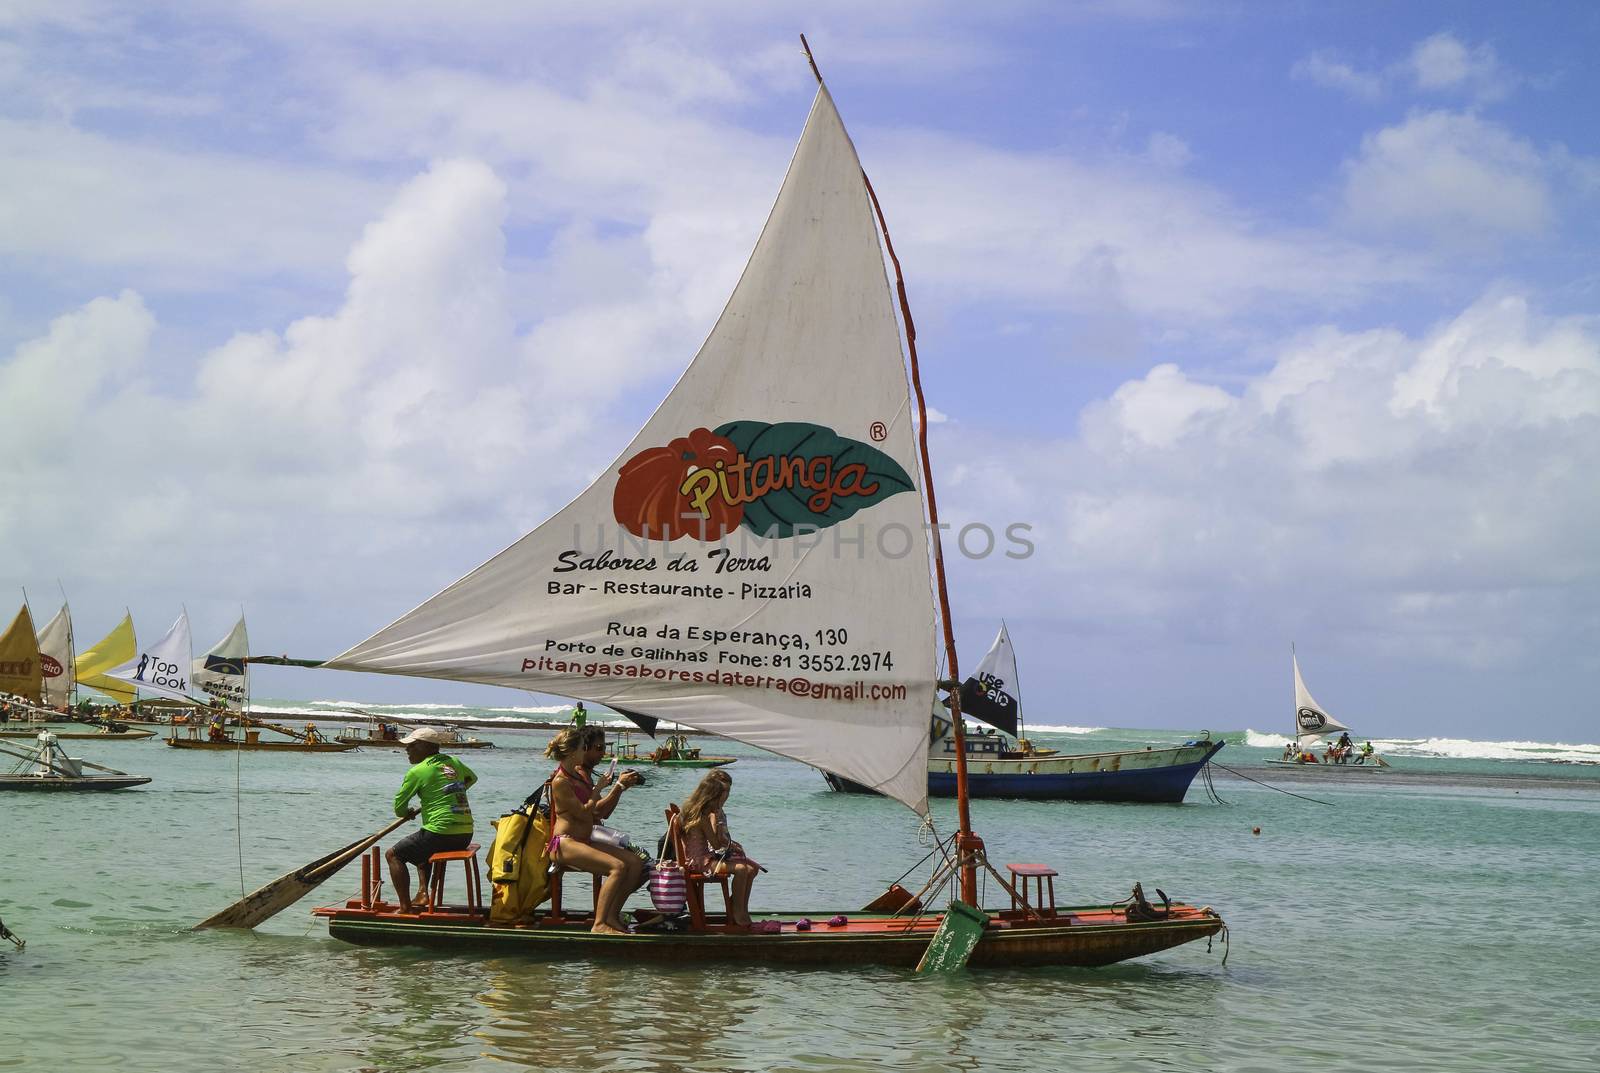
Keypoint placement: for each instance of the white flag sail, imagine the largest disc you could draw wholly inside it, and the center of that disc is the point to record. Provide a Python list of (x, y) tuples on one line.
[(1309, 719), (992, 694), (755, 564), (162, 668), (55, 655), (224, 673)]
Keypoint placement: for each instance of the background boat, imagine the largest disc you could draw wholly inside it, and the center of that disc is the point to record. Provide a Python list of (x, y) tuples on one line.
[(46, 767)]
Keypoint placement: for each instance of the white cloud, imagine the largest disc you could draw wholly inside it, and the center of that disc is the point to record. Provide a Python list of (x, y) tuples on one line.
[(1440, 65), (1157, 411), (399, 422), (1444, 63), (1433, 492), (1324, 69), (1168, 151), (1105, 239), (195, 219), (1451, 177)]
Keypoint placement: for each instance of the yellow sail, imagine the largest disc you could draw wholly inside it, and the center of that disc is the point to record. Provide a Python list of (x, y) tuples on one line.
[(21, 672), (116, 648)]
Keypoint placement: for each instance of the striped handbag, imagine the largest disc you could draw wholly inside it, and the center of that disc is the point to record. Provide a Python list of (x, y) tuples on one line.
[(668, 890)]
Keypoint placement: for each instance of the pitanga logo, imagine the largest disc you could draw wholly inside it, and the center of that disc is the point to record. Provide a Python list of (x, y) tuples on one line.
[(768, 478)]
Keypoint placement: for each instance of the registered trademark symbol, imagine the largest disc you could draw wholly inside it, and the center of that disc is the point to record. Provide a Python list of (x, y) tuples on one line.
[(879, 431)]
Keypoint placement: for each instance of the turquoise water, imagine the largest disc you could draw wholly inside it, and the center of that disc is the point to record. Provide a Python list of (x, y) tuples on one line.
[(1439, 919)]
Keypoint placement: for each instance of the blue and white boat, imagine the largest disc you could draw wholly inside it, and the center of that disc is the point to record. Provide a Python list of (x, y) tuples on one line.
[(999, 767)]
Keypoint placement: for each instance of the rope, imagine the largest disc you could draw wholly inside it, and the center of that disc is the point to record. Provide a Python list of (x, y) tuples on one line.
[(1269, 786), (1211, 786), (238, 804)]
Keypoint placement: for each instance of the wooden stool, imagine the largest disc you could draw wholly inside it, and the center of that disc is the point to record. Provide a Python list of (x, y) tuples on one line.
[(1041, 874), (469, 862), (556, 916)]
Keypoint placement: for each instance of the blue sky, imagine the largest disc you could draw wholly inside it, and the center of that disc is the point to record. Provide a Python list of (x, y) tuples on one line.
[(1276, 321)]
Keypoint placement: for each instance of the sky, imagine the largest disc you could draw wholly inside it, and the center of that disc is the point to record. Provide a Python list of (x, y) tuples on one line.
[(1276, 323)]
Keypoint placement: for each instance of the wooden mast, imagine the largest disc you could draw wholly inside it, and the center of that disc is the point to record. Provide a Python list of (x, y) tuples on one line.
[(968, 844)]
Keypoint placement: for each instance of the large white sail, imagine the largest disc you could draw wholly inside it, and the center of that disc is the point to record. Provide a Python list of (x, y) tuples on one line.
[(993, 694), (1309, 719), (55, 658), (223, 673), (162, 668), (755, 563)]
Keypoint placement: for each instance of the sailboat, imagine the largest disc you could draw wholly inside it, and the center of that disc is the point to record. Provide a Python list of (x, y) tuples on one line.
[(995, 768), (24, 678), (21, 670), (113, 650), (1311, 722), (56, 661), (223, 675), (755, 565)]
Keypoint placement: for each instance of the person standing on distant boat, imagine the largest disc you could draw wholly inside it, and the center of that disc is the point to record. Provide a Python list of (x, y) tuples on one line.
[(580, 715), (441, 783)]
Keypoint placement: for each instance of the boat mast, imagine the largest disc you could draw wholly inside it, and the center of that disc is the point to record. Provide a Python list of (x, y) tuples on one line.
[(968, 845)]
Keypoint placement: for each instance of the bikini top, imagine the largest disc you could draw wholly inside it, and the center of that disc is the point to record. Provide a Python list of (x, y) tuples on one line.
[(582, 787)]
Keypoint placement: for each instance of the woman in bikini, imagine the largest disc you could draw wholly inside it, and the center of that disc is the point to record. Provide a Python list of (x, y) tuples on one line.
[(576, 805), (708, 849)]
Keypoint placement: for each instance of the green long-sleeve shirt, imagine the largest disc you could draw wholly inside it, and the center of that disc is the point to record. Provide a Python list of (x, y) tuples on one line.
[(441, 782)]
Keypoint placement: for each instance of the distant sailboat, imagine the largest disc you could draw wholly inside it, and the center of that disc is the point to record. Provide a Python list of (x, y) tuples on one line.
[(21, 674), (994, 695), (1312, 721), (25, 674), (223, 674), (56, 660), (111, 651), (162, 668)]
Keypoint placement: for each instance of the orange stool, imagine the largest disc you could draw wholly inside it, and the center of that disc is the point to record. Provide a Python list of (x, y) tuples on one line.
[(469, 862), (555, 916), (1041, 874)]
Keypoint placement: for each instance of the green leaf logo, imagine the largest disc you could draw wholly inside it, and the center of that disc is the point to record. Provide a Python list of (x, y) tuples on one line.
[(800, 474)]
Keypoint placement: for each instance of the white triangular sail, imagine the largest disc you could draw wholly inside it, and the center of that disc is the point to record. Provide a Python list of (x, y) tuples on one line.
[(1309, 719), (223, 673), (993, 694), (162, 668), (55, 656), (652, 590)]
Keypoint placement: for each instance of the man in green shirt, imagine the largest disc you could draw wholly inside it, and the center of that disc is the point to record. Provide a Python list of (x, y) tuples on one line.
[(441, 782)]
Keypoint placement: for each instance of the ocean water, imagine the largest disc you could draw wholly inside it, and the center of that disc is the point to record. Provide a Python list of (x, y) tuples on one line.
[(1432, 918)]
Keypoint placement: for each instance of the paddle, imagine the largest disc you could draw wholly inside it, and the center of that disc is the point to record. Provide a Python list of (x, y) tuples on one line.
[(953, 943), (284, 891)]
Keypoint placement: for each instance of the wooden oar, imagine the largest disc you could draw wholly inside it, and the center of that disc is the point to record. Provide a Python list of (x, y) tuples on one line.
[(284, 891), (952, 944)]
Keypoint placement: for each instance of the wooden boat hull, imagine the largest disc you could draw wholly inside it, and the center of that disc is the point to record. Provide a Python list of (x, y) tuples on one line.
[(263, 746), (132, 734), (383, 743), (45, 783), (1319, 766), (1080, 936), (1150, 776)]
